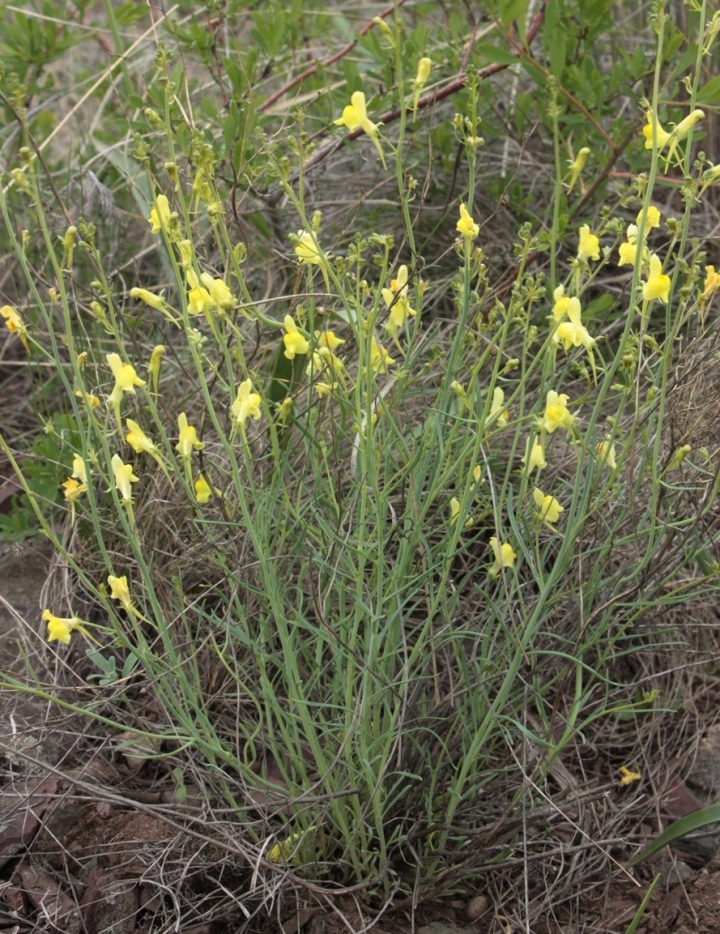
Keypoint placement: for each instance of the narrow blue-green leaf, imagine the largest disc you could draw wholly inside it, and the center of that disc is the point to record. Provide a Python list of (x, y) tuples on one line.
[(677, 830)]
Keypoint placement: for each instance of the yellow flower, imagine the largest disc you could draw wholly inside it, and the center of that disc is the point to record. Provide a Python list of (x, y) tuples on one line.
[(563, 303), (79, 469), (606, 452), (396, 300), (219, 292), (685, 126), (354, 116), (72, 489), (627, 251), (423, 72), (188, 439), (246, 405), (137, 439), (307, 249), (154, 301), (92, 401), (653, 132), (548, 507), (186, 254), (124, 477), (534, 455), (203, 490), (380, 359), (160, 215), (556, 413), (504, 556), (15, 324), (466, 225), (576, 167), (573, 332), (628, 776), (126, 379), (119, 591), (454, 509), (651, 220), (328, 339), (497, 409), (325, 389), (294, 342), (455, 512), (588, 245), (658, 284), (154, 365), (60, 628), (199, 299), (712, 281)]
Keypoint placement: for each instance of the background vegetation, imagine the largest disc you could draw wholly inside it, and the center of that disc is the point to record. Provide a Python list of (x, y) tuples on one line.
[(377, 450)]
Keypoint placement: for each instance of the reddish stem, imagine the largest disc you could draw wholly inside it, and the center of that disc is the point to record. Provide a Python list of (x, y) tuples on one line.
[(328, 61)]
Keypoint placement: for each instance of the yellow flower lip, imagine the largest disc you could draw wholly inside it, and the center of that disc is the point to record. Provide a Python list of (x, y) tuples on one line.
[(246, 405), (657, 285), (504, 556), (466, 225)]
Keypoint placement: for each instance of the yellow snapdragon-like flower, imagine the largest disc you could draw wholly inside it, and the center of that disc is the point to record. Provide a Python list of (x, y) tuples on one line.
[(652, 218), (576, 167), (628, 776), (137, 439), (60, 628), (90, 399), (657, 285), (219, 291), (562, 303), (423, 73), (293, 340), (380, 359), (549, 508), (15, 324), (711, 283), (556, 413), (149, 298), (124, 477), (504, 556), (534, 455), (397, 303), (246, 405), (653, 132), (126, 379), (686, 125), (627, 251), (573, 333), (606, 452), (307, 249), (188, 440), (466, 225), (79, 468), (160, 215), (199, 298), (203, 490), (588, 244), (119, 591), (328, 339), (72, 489), (154, 366), (498, 411), (354, 117)]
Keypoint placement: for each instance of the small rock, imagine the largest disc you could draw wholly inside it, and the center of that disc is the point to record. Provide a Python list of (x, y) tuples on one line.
[(476, 907)]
